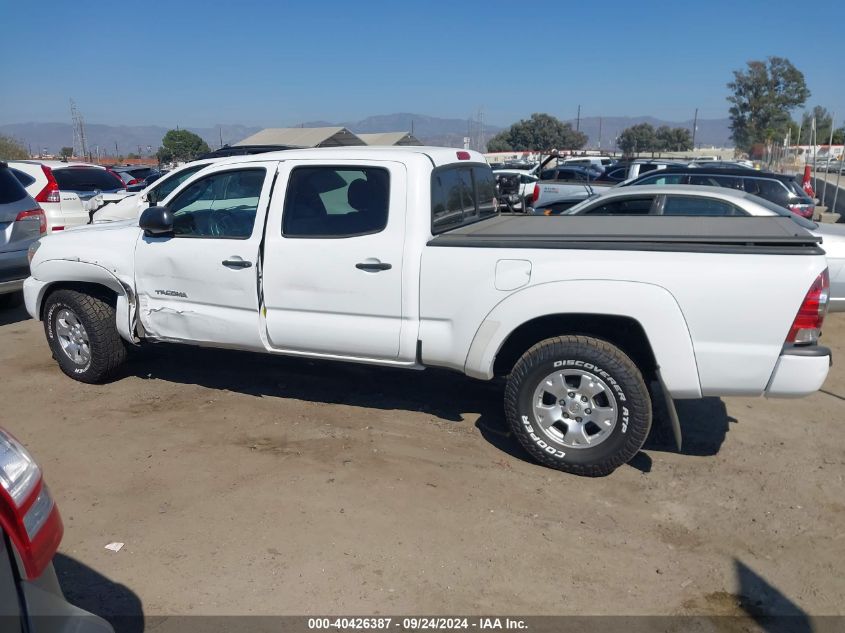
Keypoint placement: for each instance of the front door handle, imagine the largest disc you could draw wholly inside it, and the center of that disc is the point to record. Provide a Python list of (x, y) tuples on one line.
[(236, 262), (373, 266)]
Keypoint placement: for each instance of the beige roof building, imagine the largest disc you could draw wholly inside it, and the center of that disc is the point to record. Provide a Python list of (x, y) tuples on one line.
[(390, 138), (303, 137)]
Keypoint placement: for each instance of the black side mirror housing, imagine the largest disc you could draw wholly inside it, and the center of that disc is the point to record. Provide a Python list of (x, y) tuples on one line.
[(156, 221)]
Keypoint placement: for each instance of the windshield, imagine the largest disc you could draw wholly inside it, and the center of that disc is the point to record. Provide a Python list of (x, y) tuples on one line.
[(581, 205), (786, 213)]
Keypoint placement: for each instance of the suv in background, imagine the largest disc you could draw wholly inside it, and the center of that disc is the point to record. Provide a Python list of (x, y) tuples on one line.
[(133, 175), (578, 173), (68, 192), (22, 222), (778, 188)]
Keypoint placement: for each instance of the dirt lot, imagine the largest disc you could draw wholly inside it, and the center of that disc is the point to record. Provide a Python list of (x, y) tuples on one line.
[(248, 484)]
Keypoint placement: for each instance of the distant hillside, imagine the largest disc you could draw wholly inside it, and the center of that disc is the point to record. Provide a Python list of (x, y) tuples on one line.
[(430, 130)]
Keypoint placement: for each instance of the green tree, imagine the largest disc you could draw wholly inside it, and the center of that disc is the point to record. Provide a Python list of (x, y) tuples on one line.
[(10, 149), (824, 124), (638, 138), (181, 145), (672, 139), (66, 152), (763, 96), (541, 132)]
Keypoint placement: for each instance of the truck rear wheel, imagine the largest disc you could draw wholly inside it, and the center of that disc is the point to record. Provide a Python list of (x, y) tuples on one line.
[(578, 404), (82, 333)]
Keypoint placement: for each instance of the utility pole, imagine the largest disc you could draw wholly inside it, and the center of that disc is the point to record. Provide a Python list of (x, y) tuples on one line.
[(599, 134), (578, 119), (694, 128), (480, 129), (221, 135), (116, 152), (829, 154)]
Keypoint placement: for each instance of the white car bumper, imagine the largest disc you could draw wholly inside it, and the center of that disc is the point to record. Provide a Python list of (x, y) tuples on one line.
[(33, 292), (799, 372)]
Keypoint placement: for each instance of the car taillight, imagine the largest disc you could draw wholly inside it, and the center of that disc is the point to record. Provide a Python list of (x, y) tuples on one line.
[(807, 325), (134, 181), (50, 192), (804, 210), (34, 213), (27, 511), (536, 194), (463, 155)]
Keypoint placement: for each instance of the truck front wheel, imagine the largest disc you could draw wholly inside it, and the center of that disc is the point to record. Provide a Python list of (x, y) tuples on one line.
[(82, 332), (578, 404)]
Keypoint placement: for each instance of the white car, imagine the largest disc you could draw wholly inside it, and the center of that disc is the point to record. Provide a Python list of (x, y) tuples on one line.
[(68, 192), (130, 206), (705, 201), (396, 256)]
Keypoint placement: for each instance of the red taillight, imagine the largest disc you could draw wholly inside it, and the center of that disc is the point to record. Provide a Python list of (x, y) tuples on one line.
[(463, 155), (34, 213), (134, 181), (536, 194), (805, 211), (50, 192), (27, 511), (807, 325)]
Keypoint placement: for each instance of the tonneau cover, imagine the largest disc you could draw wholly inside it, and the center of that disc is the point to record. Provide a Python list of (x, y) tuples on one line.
[(762, 235)]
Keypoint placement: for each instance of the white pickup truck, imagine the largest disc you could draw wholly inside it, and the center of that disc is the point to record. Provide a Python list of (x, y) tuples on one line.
[(398, 257)]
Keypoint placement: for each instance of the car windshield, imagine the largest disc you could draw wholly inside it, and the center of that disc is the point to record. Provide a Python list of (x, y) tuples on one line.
[(786, 213), (86, 179), (581, 205)]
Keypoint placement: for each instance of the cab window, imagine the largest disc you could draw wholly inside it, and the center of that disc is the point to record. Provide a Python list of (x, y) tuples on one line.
[(170, 183), (220, 205), (624, 206), (336, 202)]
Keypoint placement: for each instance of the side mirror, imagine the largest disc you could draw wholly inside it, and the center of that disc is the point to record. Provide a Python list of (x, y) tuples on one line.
[(156, 221)]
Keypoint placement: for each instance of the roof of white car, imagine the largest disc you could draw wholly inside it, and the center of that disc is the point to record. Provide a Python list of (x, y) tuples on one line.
[(437, 155), (57, 164), (722, 193)]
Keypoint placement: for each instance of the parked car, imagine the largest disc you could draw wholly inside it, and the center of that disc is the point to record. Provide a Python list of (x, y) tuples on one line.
[(22, 222), (31, 598), (601, 163), (132, 174), (67, 192), (129, 207), (577, 173), (778, 188), (580, 313), (704, 201)]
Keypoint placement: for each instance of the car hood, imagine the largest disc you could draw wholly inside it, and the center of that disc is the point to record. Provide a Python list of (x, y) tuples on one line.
[(111, 246), (124, 209)]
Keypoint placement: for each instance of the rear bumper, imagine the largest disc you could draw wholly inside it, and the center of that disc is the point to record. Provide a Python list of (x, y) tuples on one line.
[(14, 268), (799, 372)]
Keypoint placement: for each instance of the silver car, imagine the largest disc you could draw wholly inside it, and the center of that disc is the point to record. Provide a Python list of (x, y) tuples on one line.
[(22, 222), (696, 200)]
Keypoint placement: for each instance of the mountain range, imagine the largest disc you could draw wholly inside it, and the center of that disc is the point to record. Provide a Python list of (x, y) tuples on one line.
[(430, 130)]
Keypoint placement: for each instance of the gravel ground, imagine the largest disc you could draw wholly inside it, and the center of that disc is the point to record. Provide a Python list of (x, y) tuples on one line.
[(246, 484)]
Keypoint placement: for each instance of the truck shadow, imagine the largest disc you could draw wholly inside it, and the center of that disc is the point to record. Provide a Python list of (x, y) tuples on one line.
[(89, 590), (446, 395), (9, 316)]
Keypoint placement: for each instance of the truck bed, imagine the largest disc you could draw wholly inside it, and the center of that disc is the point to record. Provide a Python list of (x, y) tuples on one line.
[(753, 235)]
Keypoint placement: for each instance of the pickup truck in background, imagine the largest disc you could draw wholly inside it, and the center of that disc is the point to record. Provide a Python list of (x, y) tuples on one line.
[(398, 257)]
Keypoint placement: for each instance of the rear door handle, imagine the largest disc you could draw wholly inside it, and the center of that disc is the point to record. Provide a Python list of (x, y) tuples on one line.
[(373, 266), (236, 262)]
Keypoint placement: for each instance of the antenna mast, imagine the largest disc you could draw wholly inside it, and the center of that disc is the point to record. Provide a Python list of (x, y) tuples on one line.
[(80, 148)]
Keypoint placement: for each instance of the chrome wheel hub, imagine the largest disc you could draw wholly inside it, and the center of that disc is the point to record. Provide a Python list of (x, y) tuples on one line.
[(73, 339), (575, 408)]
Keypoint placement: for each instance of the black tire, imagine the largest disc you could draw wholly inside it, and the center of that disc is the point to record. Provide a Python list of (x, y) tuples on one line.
[(107, 349), (11, 300), (618, 373)]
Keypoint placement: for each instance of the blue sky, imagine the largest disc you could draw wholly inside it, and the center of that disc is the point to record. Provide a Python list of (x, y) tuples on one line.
[(279, 63)]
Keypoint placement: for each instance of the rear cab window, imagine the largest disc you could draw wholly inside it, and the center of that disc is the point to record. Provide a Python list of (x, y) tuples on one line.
[(461, 195), (695, 206)]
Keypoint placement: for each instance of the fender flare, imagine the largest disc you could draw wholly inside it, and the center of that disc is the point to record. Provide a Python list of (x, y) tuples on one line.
[(650, 305), (55, 271)]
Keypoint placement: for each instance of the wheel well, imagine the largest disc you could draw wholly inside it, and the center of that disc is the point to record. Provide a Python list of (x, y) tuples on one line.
[(624, 332), (95, 290)]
